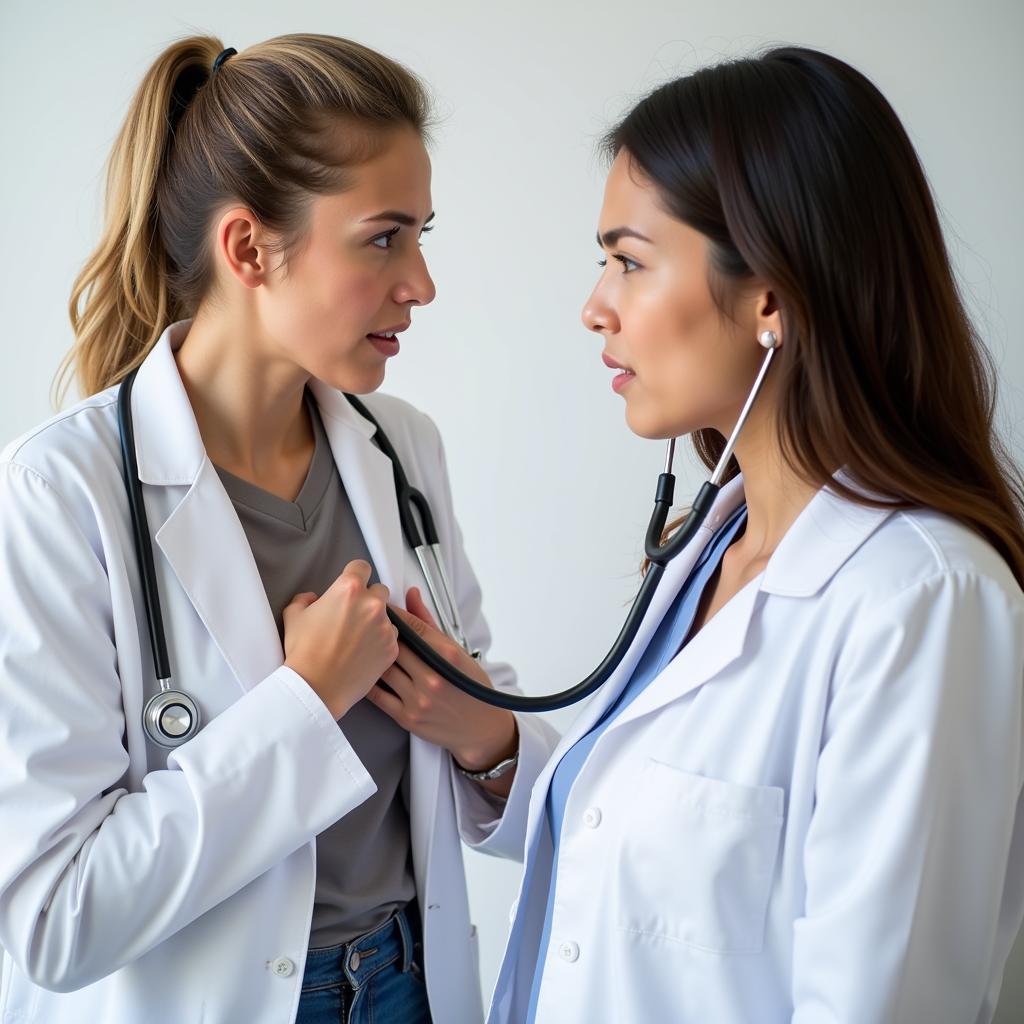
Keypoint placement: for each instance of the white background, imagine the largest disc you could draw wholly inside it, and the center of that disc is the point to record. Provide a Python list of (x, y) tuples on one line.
[(553, 492)]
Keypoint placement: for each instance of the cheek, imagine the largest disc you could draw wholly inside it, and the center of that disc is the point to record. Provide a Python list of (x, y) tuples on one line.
[(329, 308), (682, 352), (344, 297), (320, 315), (678, 329)]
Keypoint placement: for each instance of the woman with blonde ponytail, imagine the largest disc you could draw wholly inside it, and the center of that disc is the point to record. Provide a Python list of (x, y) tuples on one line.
[(298, 858)]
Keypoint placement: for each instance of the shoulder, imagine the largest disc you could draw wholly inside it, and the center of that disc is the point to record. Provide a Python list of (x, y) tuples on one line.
[(72, 452), (924, 573), (925, 549)]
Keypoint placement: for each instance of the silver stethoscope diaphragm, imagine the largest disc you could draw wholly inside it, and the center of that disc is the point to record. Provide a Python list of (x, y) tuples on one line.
[(171, 717)]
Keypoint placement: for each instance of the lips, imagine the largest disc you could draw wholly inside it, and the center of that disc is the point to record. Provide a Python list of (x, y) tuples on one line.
[(623, 377), (612, 364), (388, 333)]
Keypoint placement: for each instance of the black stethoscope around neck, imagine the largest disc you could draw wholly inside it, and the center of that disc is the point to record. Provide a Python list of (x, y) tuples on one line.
[(171, 716)]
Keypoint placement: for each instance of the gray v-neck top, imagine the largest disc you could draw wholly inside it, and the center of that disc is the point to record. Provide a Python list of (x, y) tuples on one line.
[(364, 863)]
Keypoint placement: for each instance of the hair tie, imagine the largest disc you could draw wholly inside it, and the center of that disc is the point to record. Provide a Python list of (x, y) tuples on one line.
[(221, 57)]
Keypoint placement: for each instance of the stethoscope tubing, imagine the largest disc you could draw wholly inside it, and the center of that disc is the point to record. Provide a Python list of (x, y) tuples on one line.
[(177, 705)]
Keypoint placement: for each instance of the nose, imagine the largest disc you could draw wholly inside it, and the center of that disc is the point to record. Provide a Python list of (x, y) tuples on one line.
[(598, 315), (417, 286)]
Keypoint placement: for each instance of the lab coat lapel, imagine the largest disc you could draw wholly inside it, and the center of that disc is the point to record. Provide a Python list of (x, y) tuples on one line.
[(706, 656), (208, 551), (201, 538)]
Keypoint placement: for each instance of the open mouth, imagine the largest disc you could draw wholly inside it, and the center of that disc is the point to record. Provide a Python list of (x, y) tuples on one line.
[(624, 374), (386, 341)]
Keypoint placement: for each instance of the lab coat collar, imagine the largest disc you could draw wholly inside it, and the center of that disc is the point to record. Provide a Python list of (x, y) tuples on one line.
[(821, 540), (202, 538), (823, 537)]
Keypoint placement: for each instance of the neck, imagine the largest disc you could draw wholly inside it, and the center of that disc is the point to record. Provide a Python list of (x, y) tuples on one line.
[(775, 494), (247, 398)]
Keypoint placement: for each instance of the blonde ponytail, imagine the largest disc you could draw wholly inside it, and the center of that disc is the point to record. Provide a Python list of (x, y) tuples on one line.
[(259, 133)]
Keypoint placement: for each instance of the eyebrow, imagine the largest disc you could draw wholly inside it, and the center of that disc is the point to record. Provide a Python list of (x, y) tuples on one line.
[(611, 238), (398, 217)]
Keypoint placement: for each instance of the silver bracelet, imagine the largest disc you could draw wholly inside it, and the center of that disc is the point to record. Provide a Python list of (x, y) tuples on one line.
[(501, 768)]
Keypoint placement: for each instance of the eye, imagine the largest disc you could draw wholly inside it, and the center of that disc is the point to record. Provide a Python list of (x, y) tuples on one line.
[(423, 231), (385, 238), (628, 264)]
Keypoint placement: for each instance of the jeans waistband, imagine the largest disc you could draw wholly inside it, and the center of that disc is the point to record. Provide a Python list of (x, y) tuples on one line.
[(360, 959)]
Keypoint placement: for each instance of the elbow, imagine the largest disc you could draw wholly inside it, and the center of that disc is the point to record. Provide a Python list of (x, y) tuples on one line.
[(56, 962), (60, 982), (57, 974)]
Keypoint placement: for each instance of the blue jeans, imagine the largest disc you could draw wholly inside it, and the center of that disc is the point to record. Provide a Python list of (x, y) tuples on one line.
[(375, 979)]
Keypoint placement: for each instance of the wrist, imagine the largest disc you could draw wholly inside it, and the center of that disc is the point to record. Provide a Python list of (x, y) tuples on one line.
[(337, 707), (481, 758)]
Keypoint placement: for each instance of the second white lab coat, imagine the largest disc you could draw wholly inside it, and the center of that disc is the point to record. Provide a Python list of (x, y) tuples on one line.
[(141, 886), (814, 814)]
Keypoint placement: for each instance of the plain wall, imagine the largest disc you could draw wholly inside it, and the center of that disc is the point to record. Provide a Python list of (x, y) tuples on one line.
[(553, 492)]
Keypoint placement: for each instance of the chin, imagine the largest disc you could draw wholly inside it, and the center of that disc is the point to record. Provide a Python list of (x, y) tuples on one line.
[(359, 383), (654, 427)]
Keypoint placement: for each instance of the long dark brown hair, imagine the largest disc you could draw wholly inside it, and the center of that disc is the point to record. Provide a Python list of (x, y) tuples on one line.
[(801, 176)]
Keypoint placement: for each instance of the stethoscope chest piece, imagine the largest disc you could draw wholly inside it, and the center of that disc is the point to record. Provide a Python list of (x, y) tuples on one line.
[(171, 717)]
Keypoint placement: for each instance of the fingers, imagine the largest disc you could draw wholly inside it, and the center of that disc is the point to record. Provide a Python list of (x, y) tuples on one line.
[(355, 578), (414, 603), (430, 633), (356, 575), (297, 603), (359, 567), (419, 697), (387, 702), (401, 682)]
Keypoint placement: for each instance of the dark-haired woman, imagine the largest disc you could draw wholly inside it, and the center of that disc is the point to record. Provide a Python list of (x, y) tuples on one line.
[(298, 858), (800, 797)]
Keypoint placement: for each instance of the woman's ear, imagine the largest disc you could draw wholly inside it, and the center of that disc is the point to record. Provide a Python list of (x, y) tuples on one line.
[(768, 318), (240, 245)]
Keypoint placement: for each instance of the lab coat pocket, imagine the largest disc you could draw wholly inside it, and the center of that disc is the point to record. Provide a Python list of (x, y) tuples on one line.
[(698, 859)]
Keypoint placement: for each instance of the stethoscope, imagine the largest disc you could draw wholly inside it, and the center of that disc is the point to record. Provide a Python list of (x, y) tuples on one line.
[(171, 716)]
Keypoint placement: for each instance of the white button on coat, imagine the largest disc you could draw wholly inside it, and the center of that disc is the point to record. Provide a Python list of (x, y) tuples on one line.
[(592, 817), (569, 952), (283, 967)]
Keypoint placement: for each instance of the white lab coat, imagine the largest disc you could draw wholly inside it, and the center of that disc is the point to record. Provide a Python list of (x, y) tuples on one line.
[(141, 885), (814, 814)]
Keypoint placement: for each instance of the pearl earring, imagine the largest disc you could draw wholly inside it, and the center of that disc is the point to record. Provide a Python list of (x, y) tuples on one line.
[(768, 339)]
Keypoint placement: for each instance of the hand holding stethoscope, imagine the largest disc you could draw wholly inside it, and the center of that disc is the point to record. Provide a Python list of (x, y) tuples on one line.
[(345, 647), (341, 642)]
